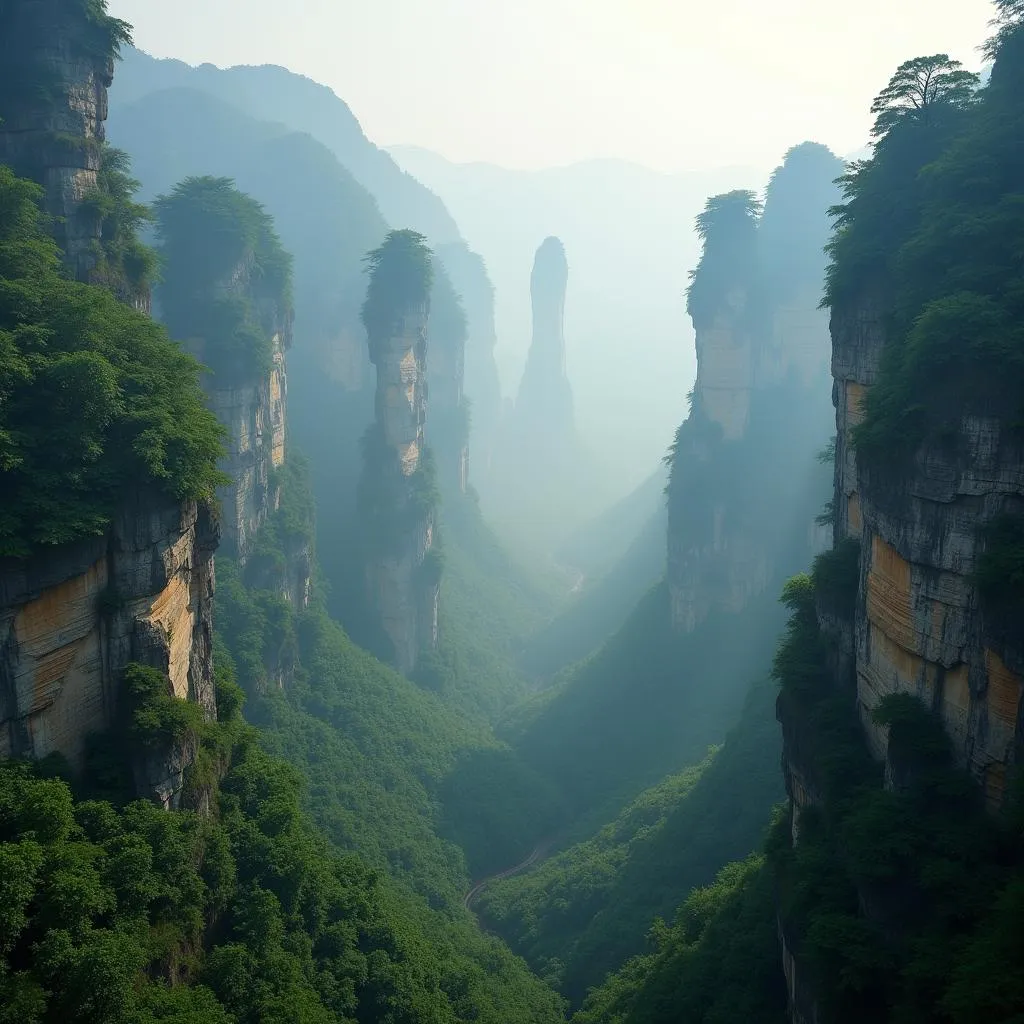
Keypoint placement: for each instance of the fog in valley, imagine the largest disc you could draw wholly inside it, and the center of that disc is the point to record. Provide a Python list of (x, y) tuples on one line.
[(511, 514)]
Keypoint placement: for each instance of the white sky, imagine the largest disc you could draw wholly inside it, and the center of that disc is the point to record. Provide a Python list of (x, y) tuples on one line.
[(673, 84)]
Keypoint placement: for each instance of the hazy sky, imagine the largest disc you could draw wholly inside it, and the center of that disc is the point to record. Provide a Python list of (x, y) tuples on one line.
[(672, 84)]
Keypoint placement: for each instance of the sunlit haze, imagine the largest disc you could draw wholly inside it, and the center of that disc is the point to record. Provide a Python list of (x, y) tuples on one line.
[(542, 82)]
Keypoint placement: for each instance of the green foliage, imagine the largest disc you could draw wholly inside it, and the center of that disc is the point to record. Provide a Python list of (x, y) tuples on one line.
[(718, 963), (1000, 570), (929, 233), (227, 280), (401, 274), (95, 402), (886, 887), (157, 717), (650, 700), (127, 914), (124, 264), (388, 766), (836, 575), (587, 909), (727, 228), (918, 87)]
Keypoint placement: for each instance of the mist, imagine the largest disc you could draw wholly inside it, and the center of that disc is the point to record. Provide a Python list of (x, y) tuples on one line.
[(511, 514)]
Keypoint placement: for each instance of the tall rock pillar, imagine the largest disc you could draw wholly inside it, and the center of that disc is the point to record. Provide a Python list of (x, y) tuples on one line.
[(398, 490), (56, 64), (544, 405)]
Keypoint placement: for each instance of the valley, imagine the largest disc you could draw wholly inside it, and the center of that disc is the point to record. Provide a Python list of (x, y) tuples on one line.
[(345, 679)]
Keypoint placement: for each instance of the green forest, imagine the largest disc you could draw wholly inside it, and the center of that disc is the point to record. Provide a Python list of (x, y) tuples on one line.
[(641, 778)]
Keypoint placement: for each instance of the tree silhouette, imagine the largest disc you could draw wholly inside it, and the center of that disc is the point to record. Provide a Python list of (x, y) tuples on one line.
[(920, 85)]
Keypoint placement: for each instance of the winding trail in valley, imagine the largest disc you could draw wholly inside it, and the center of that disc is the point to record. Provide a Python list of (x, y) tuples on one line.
[(538, 853)]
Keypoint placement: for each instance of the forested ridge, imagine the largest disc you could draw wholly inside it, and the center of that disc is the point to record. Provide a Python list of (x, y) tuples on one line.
[(338, 850)]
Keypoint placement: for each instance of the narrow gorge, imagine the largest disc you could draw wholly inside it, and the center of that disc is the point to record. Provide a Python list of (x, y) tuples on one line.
[(347, 673)]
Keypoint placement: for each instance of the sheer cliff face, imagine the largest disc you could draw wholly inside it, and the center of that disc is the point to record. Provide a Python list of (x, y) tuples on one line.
[(446, 368), (400, 588), (470, 279), (73, 618), (725, 534), (762, 364), (253, 411), (920, 625), (544, 405), (56, 72)]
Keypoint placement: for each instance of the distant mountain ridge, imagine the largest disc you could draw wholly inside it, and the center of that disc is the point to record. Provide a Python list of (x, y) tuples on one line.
[(629, 238), (272, 93)]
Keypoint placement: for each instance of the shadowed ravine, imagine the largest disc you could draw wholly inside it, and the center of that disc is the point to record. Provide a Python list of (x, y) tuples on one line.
[(537, 854)]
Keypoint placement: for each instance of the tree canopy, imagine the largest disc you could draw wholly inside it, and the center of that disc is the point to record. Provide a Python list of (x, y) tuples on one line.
[(227, 280), (401, 276), (95, 400), (917, 87)]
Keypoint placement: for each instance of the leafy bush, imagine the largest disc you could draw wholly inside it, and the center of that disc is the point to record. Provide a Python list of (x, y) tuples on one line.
[(95, 401), (401, 276), (227, 280)]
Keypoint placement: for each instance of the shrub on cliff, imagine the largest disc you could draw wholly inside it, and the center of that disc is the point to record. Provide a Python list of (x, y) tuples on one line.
[(94, 399), (401, 276), (227, 280)]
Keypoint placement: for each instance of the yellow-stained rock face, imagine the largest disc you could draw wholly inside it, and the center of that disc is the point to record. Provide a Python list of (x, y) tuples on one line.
[(725, 376), (71, 620), (404, 599)]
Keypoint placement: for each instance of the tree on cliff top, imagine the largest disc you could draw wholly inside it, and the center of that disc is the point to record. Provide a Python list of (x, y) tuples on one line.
[(917, 87), (727, 227), (94, 398), (226, 277), (401, 275)]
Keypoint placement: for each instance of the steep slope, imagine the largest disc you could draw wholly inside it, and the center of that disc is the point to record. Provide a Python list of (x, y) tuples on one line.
[(275, 94), (758, 412), (902, 672), (628, 231), (590, 907)]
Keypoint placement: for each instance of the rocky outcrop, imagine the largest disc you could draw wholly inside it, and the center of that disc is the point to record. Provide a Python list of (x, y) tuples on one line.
[(544, 406), (446, 368), (57, 64), (253, 411), (71, 619), (743, 491), (727, 521), (397, 489), (920, 625), (469, 278)]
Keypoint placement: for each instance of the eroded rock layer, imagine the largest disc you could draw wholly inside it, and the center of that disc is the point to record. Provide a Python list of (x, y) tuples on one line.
[(401, 588), (57, 66), (72, 619)]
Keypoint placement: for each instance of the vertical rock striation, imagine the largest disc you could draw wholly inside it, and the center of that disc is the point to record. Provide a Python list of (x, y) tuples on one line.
[(75, 615), (56, 65), (446, 367), (226, 294), (397, 489), (544, 406), (742, 492), (470, 279), (72, 618)]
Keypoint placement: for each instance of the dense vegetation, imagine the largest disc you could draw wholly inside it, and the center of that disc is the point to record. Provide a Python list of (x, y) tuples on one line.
[(896, 899), (121, 261), (929, 230), (718, 962), (117, 912), (645, 705), (227, 280), (95, 401), (384, 758), (401, 274), (588, 908)]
